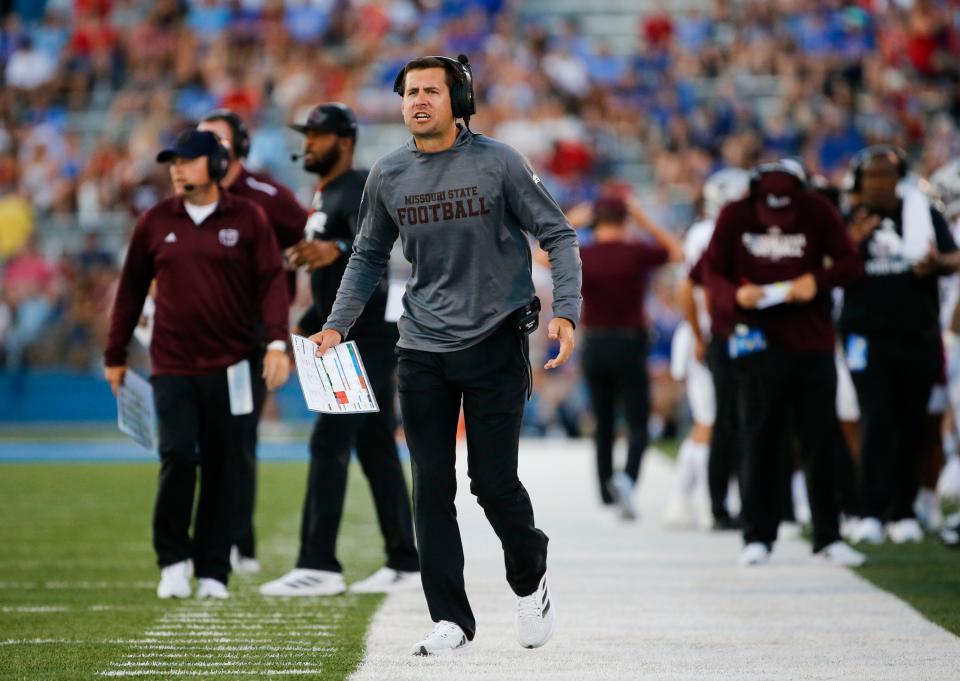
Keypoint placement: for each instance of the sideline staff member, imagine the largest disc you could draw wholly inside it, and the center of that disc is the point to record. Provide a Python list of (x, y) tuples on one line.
[(782, 233), (461, 204), (330, 137), (891, 326), (286, 218), (615, 274), (218, 272)]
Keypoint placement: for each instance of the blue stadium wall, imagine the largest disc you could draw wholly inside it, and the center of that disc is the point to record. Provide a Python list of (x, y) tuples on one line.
[(57, 396)]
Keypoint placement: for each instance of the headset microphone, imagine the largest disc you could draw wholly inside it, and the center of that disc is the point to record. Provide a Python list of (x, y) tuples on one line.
[(189, 187), (296, 157)]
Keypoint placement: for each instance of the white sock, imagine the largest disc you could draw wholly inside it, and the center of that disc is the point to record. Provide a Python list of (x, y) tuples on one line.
[(701, 455), (687, 467)]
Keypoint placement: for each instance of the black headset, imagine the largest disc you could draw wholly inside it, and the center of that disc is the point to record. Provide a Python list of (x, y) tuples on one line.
[(893, 153), (218, 162), (792, 168), (240, 134), (461, 93)]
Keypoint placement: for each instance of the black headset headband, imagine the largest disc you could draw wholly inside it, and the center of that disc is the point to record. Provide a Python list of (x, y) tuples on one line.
[(895, 155), (788, 167), (461, 93), (240, 134)]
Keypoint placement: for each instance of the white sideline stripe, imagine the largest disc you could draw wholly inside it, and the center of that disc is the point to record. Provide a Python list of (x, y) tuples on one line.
[(230, 672), (660, 605), (78, 585), (201, 663), (34, 608), (269, 655)]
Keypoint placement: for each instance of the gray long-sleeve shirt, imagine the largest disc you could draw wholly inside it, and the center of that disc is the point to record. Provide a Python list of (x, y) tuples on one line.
[(461, 215)]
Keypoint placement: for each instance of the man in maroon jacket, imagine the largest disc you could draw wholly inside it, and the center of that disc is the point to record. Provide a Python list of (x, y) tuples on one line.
[(770, 266), (219, 276), (287, 219)]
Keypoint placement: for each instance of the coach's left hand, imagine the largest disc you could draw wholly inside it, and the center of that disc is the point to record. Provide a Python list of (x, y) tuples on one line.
[(276, 368), (560, 329)]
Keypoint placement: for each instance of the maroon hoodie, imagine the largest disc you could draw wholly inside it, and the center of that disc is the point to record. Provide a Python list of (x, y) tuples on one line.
[(215, 281), (745, 250)]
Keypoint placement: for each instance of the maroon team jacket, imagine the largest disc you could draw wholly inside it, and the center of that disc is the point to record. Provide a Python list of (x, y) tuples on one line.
[(215, 281), (743, 250), (284, 213)]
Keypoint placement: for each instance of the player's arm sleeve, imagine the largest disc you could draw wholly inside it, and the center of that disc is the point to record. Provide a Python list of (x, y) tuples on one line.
[(540, 215), (371, 254), (290, 221), (941, 230), (134, 284), (717, 266), (847, 265), (272, 294)]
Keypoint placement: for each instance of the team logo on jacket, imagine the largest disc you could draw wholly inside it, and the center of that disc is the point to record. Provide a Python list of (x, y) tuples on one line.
[(229, 237), (775, 245)]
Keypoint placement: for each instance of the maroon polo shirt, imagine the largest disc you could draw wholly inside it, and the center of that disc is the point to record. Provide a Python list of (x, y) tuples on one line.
[(744, 250), (285, 215), (615, 278), (215, 282)]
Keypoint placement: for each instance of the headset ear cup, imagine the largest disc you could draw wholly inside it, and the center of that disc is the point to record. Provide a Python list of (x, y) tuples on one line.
[(398, 81)]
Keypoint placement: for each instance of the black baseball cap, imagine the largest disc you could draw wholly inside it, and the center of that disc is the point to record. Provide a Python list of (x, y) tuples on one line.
[(333, 117), (191, 143)]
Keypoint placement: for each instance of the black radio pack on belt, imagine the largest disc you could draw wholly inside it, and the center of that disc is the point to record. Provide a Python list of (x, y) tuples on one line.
[(527, 318)]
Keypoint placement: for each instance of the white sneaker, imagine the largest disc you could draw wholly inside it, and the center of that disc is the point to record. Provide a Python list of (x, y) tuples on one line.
[(927, 508), (175, 580), (243, 565), (212, 588), (536, 617), (680, 514), (840, 553), (621, 487), (906, 530), (948, 485), (848, 527), (870, 530), (754, 553), (387, 580), (443, 640), (304, 582)]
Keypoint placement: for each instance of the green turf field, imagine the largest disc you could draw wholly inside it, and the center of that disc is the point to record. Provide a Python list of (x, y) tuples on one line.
[(77, 583), (926, 575)]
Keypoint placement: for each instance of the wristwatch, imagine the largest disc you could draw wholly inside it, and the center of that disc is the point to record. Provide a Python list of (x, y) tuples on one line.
[(277, 345)]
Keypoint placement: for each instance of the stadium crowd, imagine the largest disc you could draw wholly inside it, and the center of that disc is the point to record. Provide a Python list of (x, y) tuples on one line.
[(92, 88)]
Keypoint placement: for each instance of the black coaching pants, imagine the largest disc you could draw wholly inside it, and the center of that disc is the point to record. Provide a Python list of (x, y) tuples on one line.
[(489, 379), (773, 385), (893, 390), (245, 472), (372, 435), (615, 369), (196, 430), (724, 445)]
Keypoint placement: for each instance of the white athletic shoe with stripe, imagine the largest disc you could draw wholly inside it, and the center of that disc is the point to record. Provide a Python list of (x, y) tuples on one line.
[(208, 587), (536, 617), (386, 581), (443, 640), (304, 582)]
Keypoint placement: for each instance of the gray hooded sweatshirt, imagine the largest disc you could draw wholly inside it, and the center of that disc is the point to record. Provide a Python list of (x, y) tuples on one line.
[(461, 215)]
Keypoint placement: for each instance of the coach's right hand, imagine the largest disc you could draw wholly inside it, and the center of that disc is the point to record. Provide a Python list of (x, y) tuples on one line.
[(114, 376), (326, 340)]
